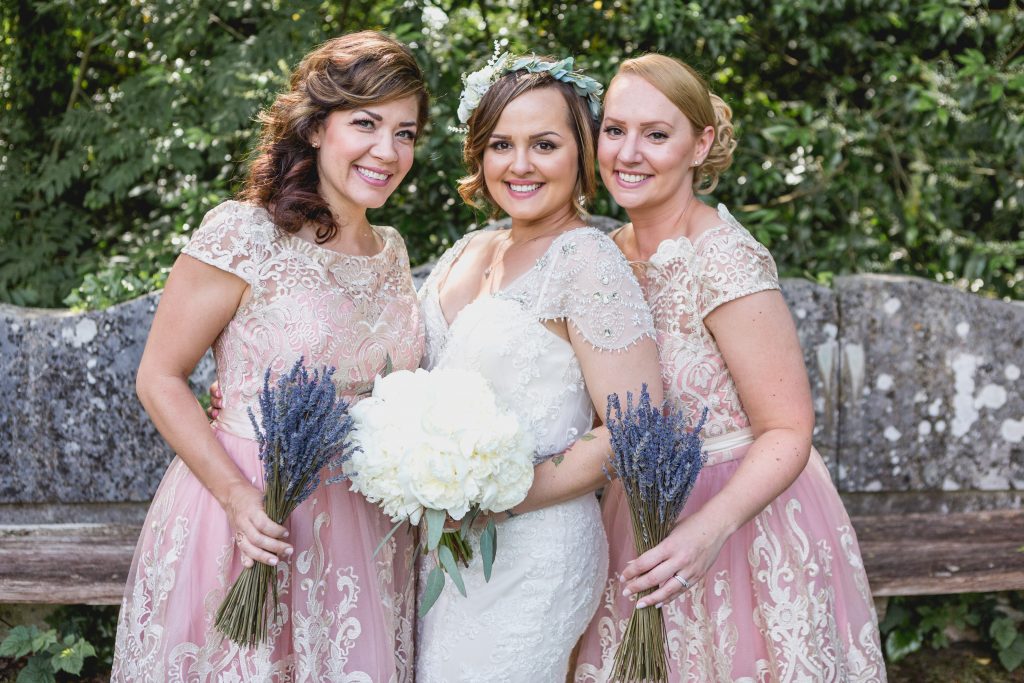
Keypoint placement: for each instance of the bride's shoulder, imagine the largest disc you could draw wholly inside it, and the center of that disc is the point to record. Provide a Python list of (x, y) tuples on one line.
[(471, 240), (589, 245)]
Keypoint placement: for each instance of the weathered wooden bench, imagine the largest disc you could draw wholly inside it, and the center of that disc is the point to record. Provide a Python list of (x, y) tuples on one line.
[(919, 415), (905, 554)]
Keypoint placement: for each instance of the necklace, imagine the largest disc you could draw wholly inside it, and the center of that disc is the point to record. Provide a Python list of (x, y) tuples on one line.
[(499, 254)]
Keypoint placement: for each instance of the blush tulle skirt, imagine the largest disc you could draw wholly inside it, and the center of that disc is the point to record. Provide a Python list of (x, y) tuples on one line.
[(786, 600), (346, 615)]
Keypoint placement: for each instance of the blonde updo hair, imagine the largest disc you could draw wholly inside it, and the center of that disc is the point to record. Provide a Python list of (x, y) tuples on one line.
[(690, 94)]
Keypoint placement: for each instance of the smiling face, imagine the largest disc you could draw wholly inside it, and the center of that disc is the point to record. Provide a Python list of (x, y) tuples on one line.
[(365, 153), (647, 148), (530, 165)]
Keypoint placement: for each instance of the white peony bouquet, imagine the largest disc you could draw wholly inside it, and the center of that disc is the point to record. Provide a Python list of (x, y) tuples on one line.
[(433, 445)]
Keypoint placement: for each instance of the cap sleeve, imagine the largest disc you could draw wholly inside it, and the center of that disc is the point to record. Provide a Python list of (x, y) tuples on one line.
[(732, 265), (234, 237), (591, 285)]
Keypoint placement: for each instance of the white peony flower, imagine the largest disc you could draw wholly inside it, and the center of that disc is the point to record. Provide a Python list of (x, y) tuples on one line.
[(438, 440)]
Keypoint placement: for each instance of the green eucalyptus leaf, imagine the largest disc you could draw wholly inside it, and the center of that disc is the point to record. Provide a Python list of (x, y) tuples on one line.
[(447, 558), (387, 536), (468, 521), (489, 548), (434, 520), (435, 583)]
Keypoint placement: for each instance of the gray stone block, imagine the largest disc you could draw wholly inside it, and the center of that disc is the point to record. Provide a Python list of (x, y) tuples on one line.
[(916, 388), (73, 429), (816, 315), (930, 396)]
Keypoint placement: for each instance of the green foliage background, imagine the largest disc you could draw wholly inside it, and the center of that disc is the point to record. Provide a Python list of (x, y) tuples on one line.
[(875, 135)]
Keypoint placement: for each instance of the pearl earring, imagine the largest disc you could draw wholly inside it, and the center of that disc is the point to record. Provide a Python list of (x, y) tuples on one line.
[(316, 145)]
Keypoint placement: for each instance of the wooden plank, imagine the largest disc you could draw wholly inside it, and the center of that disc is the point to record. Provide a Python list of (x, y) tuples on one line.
[(911, 554), (65, 563), (937, 553)]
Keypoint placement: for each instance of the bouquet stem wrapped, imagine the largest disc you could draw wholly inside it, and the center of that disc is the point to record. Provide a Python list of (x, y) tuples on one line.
[(657, 459), (305, 427)]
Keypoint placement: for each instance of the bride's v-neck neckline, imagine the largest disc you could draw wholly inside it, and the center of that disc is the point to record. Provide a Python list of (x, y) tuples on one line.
[(495, 294)]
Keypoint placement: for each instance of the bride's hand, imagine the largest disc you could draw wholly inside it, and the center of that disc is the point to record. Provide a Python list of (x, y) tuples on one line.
[(687, 553), (258, 537), (216, 401)]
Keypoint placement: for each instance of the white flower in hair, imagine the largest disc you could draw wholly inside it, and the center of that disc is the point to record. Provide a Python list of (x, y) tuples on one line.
[(476, 85), (479, 82)]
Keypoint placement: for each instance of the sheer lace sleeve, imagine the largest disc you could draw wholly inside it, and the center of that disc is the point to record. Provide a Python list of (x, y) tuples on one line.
[(435, 325), (445, 263), (589, 282), (733, 265), (235, 238)]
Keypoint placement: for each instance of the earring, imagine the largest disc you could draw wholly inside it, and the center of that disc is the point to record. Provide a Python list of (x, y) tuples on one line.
[(316, 145)]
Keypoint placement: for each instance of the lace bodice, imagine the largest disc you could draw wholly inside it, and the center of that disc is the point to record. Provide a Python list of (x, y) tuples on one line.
[(684, 282), (581, 278), (351, 312)]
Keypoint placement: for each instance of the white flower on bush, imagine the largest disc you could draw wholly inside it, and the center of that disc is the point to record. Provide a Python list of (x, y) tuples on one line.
[(438, 440)]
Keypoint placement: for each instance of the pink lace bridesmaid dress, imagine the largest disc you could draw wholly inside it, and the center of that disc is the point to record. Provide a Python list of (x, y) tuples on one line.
[(788, 598), (347, 616)]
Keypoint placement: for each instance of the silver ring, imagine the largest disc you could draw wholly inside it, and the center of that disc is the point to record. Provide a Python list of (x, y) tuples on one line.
[(681, 580)]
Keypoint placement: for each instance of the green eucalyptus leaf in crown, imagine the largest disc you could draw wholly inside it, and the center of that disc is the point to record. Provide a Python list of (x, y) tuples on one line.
[(479, 82)]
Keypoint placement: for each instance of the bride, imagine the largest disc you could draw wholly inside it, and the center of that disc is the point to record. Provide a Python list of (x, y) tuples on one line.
[(551, 314)]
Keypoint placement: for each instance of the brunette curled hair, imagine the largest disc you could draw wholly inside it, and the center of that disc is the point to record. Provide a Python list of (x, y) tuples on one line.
[(348, 72), (484, 120)]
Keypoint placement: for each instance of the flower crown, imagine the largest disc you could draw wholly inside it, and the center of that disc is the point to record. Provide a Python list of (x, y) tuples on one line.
[(479, 82)]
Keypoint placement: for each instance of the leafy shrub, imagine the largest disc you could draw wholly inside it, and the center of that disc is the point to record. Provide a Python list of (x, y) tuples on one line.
[(875, 135), (996, 619), (79, 642)]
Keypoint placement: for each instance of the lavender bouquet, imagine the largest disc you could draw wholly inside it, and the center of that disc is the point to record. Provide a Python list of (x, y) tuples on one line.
[(305, 427), (657, 459)]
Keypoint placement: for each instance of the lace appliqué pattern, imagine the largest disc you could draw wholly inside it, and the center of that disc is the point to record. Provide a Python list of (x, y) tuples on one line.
[(351, 311), (344, 615), (787, 599), (684, 282)]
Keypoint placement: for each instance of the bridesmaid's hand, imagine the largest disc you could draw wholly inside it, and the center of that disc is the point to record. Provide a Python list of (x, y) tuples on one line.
[(216, 401), (256, 534), (688, 552)]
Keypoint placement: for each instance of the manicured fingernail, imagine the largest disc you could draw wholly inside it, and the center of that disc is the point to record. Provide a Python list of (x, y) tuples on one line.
[(641, 604), (286, 533), (622, 578), (658, 605), (626, 592), (273, 560), (289, 551)]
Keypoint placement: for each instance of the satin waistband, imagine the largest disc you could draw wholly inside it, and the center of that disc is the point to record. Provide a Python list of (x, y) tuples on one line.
[(727, 446), (235, 421)]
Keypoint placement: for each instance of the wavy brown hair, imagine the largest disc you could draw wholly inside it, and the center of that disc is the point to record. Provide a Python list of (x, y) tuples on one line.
[(484, 120), (351, 71)]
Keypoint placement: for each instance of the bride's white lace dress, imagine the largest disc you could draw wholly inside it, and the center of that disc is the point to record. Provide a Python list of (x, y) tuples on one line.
[(550, 566)]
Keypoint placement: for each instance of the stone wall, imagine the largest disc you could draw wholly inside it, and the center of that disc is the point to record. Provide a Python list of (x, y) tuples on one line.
[(916, 385)]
